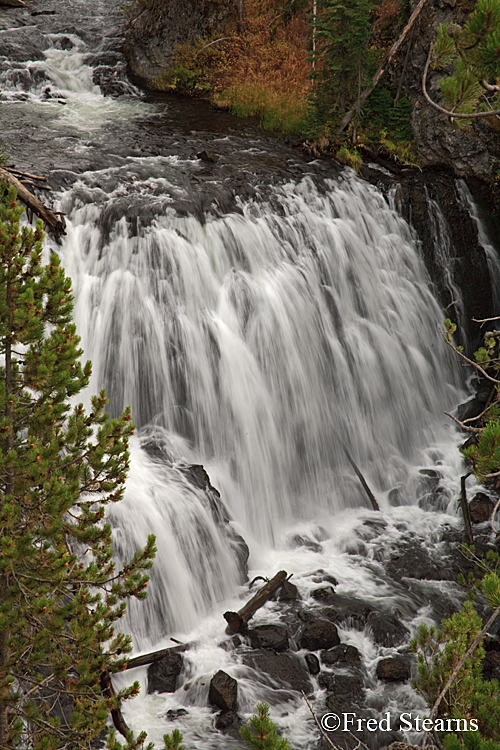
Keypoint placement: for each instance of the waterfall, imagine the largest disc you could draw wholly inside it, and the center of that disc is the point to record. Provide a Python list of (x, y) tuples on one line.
[(261, 343)]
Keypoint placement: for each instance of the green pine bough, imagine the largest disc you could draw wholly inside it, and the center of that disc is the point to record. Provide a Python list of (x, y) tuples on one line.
[(260, 733), (60, 592), (472, 51)]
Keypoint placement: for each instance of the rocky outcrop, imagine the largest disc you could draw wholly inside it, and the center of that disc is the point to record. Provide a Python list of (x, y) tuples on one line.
[(153, 30)]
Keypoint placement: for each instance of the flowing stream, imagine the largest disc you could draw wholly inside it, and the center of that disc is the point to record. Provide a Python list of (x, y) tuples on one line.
[(264, 317)]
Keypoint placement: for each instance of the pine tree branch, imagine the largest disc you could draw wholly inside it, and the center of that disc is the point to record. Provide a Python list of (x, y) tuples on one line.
[(456, 670), (447, 112)]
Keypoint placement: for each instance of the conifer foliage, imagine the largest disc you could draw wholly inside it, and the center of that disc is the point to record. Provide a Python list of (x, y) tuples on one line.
[(60, 594), (344, 55), (473, 51), (260, 732)]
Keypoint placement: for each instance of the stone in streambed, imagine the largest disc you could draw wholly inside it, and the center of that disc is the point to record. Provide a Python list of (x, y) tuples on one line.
[(319, 634), (393, 669), (342, 655), (273, 637), (481, 508), (223, 691), (285, 669), (163, 674)]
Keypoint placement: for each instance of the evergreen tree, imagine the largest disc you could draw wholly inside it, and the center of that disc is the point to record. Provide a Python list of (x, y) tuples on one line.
[(345, 60), (60, 594), (260, 732)]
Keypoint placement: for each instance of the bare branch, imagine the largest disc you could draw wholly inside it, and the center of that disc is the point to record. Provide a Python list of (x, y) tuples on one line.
[(469, 361), (327, 738), (493, 514), (462, 425)]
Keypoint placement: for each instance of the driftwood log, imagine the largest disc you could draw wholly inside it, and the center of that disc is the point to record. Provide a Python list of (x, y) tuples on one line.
[(53, 220), (141, 661), (109, 692), (237, 621)]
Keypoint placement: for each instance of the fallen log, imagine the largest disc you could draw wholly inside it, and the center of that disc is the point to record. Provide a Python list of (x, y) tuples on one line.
[(55, 221), (13, 3), (143, 659), (26, 174), (465, 509), (109, 692), (237, 621)]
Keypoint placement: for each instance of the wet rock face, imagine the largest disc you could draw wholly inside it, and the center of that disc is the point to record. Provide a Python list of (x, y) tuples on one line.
[(344, 691), (223, 691), (481, 508), (393, 669), (319, 634), (471, 150), (153, 30), (387, 630), (285, 669), (163, 674), (273, 637)]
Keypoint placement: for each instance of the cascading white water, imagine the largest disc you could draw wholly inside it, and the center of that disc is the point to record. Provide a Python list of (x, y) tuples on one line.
[(269, 340)]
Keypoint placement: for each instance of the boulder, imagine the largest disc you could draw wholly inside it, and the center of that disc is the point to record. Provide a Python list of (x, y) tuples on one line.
[(226, 721), (323, 594), (393, 669), (288, 592), (285, 669), (163, 674), (344, 691), (344, 608), (342, 655), (387, 630), (274, 637), (413, 562), (208, 156), (312, 662), (319, 634), (481, 508), (223, 691)]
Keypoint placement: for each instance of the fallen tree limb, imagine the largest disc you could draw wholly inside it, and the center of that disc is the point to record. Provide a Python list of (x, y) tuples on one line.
[(380, 72), (55, 221), (144, 659), (237, 621), (26, 174), (465, 509), (109, 692), (361, 478)]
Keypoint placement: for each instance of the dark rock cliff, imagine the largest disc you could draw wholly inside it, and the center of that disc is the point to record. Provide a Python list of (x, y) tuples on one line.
[(153, 29)]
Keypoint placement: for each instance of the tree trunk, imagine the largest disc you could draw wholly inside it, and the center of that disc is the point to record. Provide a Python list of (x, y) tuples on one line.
[(50, 218), (237, 621), (380, 72)]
